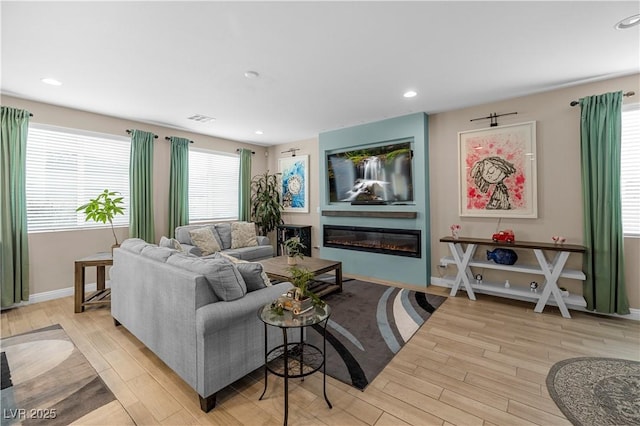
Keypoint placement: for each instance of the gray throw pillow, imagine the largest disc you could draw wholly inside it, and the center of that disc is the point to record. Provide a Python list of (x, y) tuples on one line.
[(224, 232), (252, 272), (223, 277)]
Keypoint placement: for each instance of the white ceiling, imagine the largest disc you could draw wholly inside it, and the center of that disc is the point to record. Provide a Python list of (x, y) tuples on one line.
[(322, 65)]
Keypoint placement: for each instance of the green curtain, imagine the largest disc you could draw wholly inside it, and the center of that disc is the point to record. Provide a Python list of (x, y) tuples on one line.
[(14, 243), (600, 142), (244, 195), (141, 224), (178, 184)]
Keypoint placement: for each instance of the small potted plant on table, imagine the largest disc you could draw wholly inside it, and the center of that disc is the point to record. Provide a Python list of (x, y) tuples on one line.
[(103, 209), (294, 249), (299, 299)]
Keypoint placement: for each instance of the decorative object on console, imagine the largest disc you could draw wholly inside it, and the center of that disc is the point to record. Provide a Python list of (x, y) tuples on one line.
[(507, 284), (478, 278), (498, 171), (266, 209), (294, 187), (558, 239), (103, 209), (502, 256), (564, 292), (507, 236), (455, 230), (534, 286)]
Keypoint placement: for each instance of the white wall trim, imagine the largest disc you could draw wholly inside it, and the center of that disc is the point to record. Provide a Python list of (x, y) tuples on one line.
[(60, 293), (633, 315)]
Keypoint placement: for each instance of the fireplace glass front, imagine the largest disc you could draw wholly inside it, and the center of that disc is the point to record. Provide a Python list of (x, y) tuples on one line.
[(397, 242)]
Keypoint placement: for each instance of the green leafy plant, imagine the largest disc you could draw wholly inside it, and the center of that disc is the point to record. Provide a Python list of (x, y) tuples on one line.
[(266, 208), (300, 278), (294, 248), (104, 208)]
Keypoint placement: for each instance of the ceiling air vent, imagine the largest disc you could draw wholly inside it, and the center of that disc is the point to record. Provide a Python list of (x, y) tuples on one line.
[(201, 118)]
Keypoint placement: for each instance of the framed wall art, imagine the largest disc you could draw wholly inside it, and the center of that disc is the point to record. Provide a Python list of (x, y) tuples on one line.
[(497, 172), (294, 188)]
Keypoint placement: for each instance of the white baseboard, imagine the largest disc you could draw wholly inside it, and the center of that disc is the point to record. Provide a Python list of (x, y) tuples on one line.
[(634, 314), (60, 293)]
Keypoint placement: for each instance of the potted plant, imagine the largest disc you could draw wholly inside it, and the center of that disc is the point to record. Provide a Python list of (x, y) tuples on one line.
[(103, 209), (293, 247), (300, 278), (266, 208)]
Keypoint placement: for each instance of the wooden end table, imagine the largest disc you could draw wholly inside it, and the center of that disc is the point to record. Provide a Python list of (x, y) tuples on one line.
[(277, 268), (102, 295)]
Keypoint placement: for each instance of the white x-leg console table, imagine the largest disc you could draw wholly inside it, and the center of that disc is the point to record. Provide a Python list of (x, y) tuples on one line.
[(552, 271)]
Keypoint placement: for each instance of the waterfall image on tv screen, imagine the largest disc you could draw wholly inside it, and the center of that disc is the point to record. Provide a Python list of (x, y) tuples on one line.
[(375, 174)]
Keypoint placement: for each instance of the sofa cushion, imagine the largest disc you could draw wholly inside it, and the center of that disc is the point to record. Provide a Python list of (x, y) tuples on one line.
[(252, 272), (251, 253), (223, 277), (204, 239), (135, 245), (158, 253), (243, 234), (224, 232)]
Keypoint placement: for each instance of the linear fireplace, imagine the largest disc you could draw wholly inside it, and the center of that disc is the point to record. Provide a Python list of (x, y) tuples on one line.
[(398, 242)]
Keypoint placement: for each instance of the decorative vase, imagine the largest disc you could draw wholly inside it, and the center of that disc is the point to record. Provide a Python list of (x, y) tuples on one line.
[(455, 234), (502, 256), (291, 260)]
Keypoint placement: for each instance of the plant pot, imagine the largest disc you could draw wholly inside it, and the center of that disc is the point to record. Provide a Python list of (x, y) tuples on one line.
[(291, 260)]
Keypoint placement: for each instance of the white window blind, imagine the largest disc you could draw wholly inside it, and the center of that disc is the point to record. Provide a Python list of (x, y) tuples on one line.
[(213, 185), (68, 167), (630, 170)]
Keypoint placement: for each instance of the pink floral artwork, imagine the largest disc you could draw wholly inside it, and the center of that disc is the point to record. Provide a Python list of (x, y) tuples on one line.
[(497, 171)]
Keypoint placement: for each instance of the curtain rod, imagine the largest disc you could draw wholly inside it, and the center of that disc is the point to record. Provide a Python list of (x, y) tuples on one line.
[(130, 131), (168, 138), (574, 103), (238, 150)]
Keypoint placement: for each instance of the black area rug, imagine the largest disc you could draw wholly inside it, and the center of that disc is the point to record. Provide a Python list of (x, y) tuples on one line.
[(47, 380), (597, 391), (369, 324)]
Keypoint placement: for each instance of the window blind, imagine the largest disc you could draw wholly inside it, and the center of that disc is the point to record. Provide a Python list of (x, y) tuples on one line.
[(630, 170), (68, 167), (213, 185)]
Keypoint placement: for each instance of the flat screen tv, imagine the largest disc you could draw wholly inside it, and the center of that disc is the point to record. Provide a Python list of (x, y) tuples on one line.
[(374, 174)]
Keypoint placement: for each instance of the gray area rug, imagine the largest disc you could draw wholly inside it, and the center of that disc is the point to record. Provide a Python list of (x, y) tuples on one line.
[(597, 391), (47, 380), (369, 324)]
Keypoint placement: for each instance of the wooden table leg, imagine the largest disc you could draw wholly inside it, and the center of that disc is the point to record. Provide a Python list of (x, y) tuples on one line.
[(79, 288), (100, 277), (339, 277)]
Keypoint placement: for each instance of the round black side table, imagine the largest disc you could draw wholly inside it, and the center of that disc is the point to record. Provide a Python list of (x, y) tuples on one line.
[(293, 360)]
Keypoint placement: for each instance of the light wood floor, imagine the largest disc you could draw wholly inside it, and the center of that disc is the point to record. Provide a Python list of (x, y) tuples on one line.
[(472, 363)]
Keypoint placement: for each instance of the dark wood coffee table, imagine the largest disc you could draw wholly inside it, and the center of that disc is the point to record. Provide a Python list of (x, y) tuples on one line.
[(277, 268)]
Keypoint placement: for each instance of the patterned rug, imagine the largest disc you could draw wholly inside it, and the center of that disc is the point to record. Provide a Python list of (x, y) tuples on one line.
[(369, 324), (47, 380), (597, 391)]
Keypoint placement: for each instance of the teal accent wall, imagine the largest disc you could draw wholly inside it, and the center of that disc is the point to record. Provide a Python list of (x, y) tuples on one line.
[(381, 266)]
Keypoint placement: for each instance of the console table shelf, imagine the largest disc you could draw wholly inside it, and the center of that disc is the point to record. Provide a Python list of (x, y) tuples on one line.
[(463, 259)]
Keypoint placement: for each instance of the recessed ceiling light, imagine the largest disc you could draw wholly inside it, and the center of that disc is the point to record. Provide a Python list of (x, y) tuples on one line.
[(259, 132), (251, 74), (629, 22), (410, 94), (51, 81)]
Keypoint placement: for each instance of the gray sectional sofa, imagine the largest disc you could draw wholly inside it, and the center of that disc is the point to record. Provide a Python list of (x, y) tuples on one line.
[(194, 313)]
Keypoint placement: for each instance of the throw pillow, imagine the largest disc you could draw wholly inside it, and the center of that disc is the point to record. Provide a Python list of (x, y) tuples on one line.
[(243, 234), (171, 243), (223, 277), (252, 272), (203, 239)]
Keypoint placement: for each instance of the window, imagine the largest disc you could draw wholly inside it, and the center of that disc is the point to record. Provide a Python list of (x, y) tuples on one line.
[(629, 170), (213, 185), (66, 168)]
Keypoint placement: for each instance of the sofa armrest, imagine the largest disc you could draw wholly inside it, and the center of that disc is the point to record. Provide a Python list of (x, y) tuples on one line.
[(263, 241), (216, 316)]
